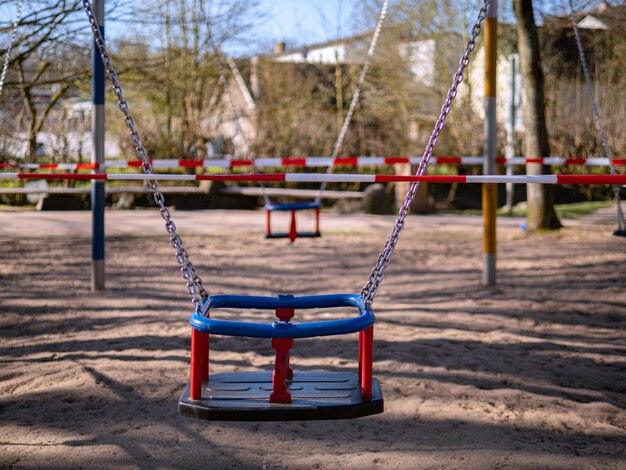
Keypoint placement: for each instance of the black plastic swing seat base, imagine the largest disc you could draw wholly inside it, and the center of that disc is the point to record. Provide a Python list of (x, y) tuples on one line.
[(620, 233), (244, 396), (298, 235)]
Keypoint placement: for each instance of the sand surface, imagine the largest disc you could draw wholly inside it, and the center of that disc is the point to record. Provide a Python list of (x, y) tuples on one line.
[(528, 374)]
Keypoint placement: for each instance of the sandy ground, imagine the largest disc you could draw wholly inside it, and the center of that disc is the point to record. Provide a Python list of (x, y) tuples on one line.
[(529, 374)]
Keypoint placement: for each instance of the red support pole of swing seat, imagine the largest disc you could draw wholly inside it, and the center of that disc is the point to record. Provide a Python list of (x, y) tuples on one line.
[(205, 355), (282, 371), (366, 357), (286, 314), (280, 394), (317, 220), (195, 375), (293, 232), (361, 341)]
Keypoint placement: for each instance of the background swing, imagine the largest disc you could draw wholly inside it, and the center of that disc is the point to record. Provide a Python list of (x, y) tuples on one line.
[(294, 207), (291, 395), (269, 206)]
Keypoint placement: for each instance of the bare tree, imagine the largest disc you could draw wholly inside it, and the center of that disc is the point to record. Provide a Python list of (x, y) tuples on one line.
[(541, 214), (173, 69), (46, 65)]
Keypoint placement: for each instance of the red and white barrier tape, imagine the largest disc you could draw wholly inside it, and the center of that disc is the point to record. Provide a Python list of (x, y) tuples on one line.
[(51, 166), (312, 162), (333, 178)]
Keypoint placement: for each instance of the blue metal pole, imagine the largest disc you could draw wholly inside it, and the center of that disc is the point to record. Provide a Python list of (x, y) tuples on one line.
[(97, 187)]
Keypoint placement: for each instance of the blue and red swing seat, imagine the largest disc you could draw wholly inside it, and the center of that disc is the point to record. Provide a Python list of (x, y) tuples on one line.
[(292, 207), (281, 395)]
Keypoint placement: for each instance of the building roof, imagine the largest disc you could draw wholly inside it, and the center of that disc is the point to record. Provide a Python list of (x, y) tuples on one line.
[(320, 45), (604, 17)]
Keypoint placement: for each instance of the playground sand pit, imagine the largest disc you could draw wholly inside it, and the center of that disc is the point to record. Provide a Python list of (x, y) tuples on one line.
[(528, 374)]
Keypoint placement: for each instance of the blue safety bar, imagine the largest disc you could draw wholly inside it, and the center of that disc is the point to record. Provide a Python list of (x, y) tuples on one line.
[(283, 329), (296, 206)]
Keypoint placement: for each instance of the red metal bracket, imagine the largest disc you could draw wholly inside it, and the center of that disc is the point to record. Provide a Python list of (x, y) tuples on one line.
[(282, 370), (293, 232), (280, 394)]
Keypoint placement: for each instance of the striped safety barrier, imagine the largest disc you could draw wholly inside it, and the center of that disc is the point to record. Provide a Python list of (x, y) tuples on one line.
[(312, 162), (333, 178)]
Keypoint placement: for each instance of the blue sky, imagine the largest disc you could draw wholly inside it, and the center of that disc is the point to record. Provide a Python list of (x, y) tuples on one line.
[(296, 22), (307, 21), (315, 20)]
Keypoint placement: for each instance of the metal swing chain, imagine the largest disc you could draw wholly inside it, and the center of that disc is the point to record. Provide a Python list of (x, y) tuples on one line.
[(384, 259), (621, 224), (355, 97), (5, 66), (192, 280)]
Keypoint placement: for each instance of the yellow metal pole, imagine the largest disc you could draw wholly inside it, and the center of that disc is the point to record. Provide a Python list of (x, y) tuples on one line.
[(490, 195)]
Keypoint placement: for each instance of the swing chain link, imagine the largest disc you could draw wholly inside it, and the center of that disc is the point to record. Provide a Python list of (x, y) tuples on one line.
[(192, 280), (355, 96), (384, 258), (621, 224), (5, 66)]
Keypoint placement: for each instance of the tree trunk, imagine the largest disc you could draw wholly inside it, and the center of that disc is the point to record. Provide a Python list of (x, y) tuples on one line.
[(541, 214), (32, 147)]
